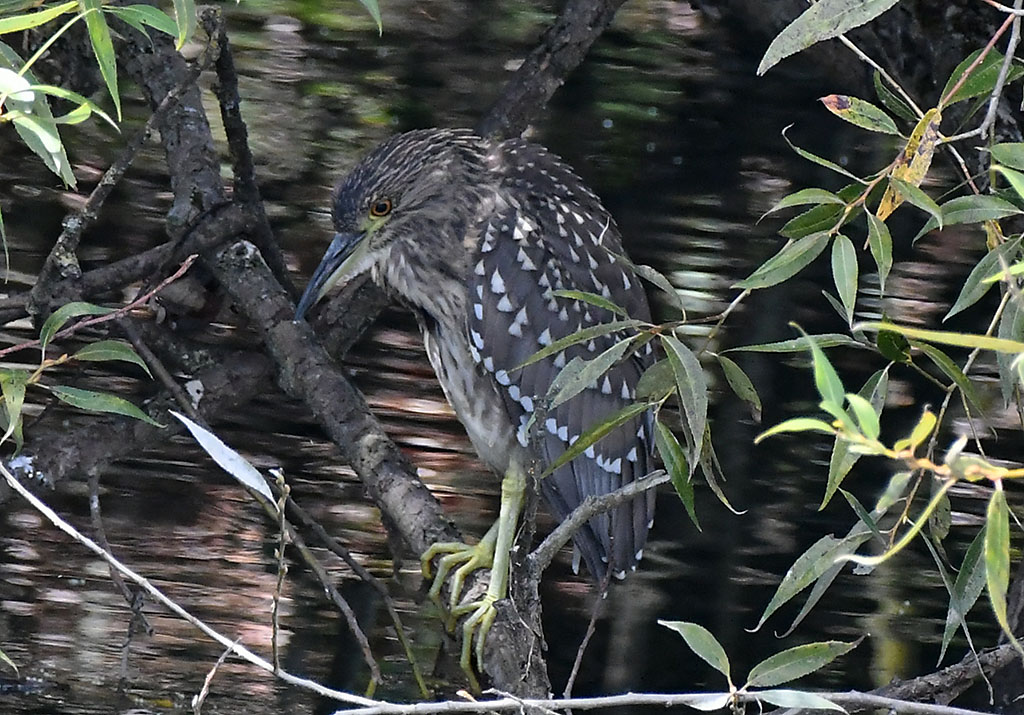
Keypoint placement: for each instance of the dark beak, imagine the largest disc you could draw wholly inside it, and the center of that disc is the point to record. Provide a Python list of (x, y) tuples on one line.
[(338, 262)]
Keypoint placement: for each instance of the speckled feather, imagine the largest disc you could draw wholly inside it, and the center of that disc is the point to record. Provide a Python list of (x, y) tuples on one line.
[(481, 235)]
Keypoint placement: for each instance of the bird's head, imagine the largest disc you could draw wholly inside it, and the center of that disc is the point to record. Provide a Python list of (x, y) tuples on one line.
[(402, 189)]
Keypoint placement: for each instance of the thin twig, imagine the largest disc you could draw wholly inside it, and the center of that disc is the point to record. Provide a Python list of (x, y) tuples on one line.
[(591, 628), (850, 700), (74, 225), (881, 71), (141, 300), (173, 606), (282, 567), (200, 698), (542, 556), (337, 548), (1004, 72)]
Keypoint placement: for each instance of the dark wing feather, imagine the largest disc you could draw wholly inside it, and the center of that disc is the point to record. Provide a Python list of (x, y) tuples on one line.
[(548, 233)]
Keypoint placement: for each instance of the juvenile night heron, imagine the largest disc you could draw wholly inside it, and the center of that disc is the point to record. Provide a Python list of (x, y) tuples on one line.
[(475, 236)]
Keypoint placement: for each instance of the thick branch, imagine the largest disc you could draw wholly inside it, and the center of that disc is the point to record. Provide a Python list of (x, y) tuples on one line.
[(560, 51)]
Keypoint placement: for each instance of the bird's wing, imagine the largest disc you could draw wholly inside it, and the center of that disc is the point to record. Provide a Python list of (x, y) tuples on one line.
[(546, 235)]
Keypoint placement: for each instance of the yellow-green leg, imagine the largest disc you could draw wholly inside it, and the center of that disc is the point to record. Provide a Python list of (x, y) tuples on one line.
[(494, 550)]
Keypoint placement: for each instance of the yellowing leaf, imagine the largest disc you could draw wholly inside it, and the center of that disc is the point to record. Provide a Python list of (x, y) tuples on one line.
[(914, 162), (860, 112)]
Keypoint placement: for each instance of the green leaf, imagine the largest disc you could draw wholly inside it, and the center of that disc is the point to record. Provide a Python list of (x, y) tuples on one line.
[(589, 373), (826, 379), (741, 385), (678, 469), (35, 19), (820, 161), (952, 371), (964, 340), (893, 346), (580, 336), (226, 458), (145, 15), (102, 47), (975, 287), (880, 243), (982, 79), (910, 533), (595, 433), (844, 273), (591, 298), (812, 563), (797, 662), (864, 515), (820, 219), (1009, 154), (83, 102), (840, 463), (821, 21), (796, 424), (701, 642), (892, 101), (1011, 327), (860, 113), (790, 260), (100, 402), (970, 582), (185, 20), (39, 131), (924, 427), (65, 313), (1015, 178), (915, 196), (970, 209), (372, 8), (13, 382), (997, 558), (657, 279), (8, 661), (657, 381), (104, 350), (867, 418), (692, 390), (806, 196), (797, 699), (857, 535), (799, 345)]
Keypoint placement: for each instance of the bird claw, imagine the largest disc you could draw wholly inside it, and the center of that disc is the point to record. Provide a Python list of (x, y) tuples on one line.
[(475, 629), (464, 559)]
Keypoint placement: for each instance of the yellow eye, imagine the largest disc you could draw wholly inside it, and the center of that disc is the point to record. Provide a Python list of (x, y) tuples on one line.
[(380, 208)]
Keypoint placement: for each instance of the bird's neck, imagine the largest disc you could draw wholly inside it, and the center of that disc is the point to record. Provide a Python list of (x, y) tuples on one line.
[(440, 298)]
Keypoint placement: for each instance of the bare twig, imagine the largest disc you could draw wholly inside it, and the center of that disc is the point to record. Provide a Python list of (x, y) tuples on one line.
[(542, 556), (173, 606), (851, 700), (61, 258), (200, 698), (123, 310), (1004, 71)]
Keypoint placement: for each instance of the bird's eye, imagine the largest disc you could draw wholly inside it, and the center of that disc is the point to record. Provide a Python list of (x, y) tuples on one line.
[(381, 208)]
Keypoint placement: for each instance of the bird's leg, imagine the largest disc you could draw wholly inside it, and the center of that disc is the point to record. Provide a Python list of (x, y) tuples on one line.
[(513, 486)]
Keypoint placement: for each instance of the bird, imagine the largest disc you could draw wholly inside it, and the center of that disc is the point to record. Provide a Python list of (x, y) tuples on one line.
[(494, 245)]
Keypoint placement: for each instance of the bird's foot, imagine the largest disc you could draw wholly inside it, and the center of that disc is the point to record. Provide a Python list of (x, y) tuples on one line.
[(474, 630), (460, 560)]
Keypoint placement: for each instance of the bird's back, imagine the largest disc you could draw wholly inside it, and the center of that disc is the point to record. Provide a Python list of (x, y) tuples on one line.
[(545, 232)]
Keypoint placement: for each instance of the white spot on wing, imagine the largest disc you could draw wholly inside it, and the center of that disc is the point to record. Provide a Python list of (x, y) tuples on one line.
[(497, 282)]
